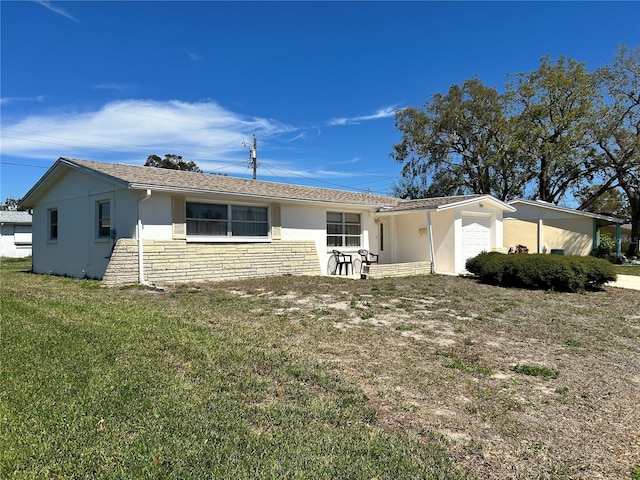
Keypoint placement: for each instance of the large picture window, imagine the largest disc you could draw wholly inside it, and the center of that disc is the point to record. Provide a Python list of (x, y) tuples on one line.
[(216, 220), (343, 229)]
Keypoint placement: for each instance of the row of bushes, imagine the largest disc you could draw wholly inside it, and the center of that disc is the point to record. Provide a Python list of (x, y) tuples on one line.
[(539, 271)]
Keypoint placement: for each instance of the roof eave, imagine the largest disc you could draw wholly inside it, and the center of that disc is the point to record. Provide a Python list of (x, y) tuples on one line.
[(196, 191), (570, 211), (505, 207), (485, 198), (31, 197)]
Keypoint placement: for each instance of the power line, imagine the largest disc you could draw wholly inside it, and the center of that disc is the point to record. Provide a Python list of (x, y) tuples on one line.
[(22, 164), (294, 174)]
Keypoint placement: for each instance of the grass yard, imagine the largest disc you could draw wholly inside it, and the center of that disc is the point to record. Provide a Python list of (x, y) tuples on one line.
[(425, 377), (627, 270)]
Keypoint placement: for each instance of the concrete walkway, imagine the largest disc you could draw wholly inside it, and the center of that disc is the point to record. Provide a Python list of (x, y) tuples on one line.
[(626, 281)]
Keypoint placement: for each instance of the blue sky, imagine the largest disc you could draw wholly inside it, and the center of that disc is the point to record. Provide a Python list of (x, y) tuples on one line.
[(317, 82)]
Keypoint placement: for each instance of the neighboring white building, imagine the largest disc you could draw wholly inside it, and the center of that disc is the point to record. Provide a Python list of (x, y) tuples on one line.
[(15, 234), (128, 224)]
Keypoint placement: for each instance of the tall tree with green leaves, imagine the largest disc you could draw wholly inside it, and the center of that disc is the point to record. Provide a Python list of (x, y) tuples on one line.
[(555, 108), (618, 132), (459, 143), (611, 201), (172, 162)]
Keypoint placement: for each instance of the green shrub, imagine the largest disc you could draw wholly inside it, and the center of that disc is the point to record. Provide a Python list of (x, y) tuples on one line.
[(606, 246), (538, 271)]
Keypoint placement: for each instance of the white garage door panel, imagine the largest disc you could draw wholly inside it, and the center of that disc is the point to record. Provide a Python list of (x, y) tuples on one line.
[(476, 236)]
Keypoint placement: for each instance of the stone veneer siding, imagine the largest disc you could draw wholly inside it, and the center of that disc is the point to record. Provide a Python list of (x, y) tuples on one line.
[(176, 261), (377, 270)]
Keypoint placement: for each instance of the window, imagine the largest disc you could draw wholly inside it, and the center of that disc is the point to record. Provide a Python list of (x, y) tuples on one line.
[(214, 220), (22, 235), (343, 229), (104, 219), (53, 224)]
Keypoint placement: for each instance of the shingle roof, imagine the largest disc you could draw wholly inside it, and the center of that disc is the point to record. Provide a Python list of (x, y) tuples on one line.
[(430, 203), (8, 216), (571, 211), (176, 180)]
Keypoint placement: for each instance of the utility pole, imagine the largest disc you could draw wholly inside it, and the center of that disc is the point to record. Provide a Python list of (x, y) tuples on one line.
[(253, 156)]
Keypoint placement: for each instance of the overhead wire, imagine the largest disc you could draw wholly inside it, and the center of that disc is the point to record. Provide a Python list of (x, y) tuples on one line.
[(134, 150)]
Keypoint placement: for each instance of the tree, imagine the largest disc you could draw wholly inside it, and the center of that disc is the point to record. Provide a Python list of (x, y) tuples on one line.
[(618, 133), (459, 143), (610, 202), (172, 162), (556, 106), (10, 204)]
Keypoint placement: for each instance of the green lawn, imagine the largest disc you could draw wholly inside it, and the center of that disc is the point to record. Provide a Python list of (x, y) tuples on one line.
[(130, 383), (627, 270), (318, 377)]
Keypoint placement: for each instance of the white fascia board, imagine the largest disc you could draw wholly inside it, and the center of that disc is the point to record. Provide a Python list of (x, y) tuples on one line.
[(485, 198), (93, 173), (263, 198), (571, 211), (56, 171)]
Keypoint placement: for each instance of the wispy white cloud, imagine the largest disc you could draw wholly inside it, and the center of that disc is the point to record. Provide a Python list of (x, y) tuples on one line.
[(130, 130), (349, 161), (119, 87), (58, 10), (385, 112), (8, 100), (193, 56)]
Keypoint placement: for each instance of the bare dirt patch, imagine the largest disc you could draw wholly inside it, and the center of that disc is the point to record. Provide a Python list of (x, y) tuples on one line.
[(519, 384)]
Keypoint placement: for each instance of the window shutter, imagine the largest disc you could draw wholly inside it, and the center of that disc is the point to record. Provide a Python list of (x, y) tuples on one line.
[(276, 223), (178, 216)]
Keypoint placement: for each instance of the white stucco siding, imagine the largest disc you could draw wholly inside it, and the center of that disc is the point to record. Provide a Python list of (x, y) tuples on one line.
[(125, 212), (451, 225), (78, 251), (306, 223), (309, 222), (412, 238), (443, 228), (155, 213)]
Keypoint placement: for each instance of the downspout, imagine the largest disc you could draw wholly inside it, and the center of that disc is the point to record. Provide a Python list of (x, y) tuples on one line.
[(432, 253), (140, 246), (540, 248), (618, 242)]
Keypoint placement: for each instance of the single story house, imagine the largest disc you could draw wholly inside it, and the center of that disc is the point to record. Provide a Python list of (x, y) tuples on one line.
[(134, 224), (548, 228), (15, 234)]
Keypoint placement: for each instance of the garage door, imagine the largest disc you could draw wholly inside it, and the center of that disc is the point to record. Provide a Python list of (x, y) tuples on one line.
[(476, 236)]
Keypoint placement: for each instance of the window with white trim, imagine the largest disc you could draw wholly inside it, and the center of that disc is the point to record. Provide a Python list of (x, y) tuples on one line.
[(103, 214), (220, 220), (343, 229), (52, 220)]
